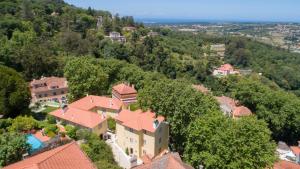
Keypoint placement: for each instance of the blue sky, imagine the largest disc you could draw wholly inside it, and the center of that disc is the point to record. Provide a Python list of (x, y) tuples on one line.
[(227, 10)]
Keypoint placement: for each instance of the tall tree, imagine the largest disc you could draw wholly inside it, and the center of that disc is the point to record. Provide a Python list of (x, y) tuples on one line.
[(84, 77), (14, 93), (217, 142)]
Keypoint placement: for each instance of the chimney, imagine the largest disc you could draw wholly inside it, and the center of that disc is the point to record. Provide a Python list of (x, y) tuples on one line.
[(91, 100), (64, 108), (132, 86), (103, 115), (299, 143), (155, 123)]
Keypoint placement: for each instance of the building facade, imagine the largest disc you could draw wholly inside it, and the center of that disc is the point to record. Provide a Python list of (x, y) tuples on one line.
[(142, 133), (225, 70), (49, 89), (125, 93)]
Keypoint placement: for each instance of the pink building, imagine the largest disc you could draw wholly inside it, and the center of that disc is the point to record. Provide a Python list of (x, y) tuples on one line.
[(231, 108), (225, 70), (49, 89)]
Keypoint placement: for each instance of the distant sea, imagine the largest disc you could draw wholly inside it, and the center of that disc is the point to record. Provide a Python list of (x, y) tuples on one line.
[(163, 21)]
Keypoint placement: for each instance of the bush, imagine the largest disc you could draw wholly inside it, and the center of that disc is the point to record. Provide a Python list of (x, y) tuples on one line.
[(51, 119), (51, 128), (71, 131), (111, 124), (83, 134), (23, 123)]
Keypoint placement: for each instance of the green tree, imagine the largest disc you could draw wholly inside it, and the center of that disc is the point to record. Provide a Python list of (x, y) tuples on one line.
[(84, 77), (14, 93), (23, 123), (179, 103), (12, 146), (216, 141)]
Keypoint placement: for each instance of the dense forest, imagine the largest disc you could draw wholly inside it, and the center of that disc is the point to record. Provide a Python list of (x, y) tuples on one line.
[(52, 38)]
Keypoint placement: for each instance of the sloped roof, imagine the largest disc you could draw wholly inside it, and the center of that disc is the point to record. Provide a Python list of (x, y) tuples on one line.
[(240, 111), (49, 81), (168, 161), (226, 67), (282, 164), (237, 111), (124, 89), (295, 150), (91, 101), (79, 116), (68, 156), (138, 119)]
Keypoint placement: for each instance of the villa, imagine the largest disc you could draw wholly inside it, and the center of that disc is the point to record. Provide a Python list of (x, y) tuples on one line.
[(125, 93), (116, 37), (91, 112), (225, 70), (63, 157), (141, 133), (49, 89), (231, 108)]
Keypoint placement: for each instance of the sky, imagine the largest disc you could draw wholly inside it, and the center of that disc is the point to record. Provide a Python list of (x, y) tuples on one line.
[(222, 10)]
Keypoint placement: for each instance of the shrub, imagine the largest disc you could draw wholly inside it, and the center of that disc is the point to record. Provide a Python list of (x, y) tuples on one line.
[(83, 134), (51, 128), (23, 123), (71, 131), (51, 119), (111, 124)]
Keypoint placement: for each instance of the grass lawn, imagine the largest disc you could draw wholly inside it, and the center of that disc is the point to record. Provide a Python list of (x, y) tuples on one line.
[(42, 115), (49, 109)]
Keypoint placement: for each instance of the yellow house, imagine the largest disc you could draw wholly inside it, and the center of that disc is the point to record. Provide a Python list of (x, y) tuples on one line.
[(142, 133)]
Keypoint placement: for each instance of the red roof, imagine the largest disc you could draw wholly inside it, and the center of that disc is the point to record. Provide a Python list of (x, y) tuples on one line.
[(78, 116), (282, 164), (296, 150), (237, 111), (68, 156), (90, 102), (168, 161), (226, 67), (49, 81), (139, 120), (124, 89)]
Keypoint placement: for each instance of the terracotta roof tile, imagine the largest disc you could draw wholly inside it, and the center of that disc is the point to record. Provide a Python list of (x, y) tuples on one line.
[(168, 161), (295, 150), (79, 116), (49, 81), (68, 156), (124, 89), (91, 101), (138, 120), (282, 164), (237, 111)]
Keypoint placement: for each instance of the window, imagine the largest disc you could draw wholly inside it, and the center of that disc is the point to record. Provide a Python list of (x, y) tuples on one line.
[(144, 152), (40, 96), (131, 140), (145, 142), (62, 92), (159, 140), (145, 132), (45, 95), (100, 126), (130, 129), (54, 93)]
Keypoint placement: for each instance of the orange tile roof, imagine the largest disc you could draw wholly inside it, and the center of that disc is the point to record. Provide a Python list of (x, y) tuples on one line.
[(91, 101), (124, 89), (138, 119), (168, 161), (68, 156), (237, 111), (295, 150), (49, 81), (241, 111), (226, 67), (78, 116), (282, 164)]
